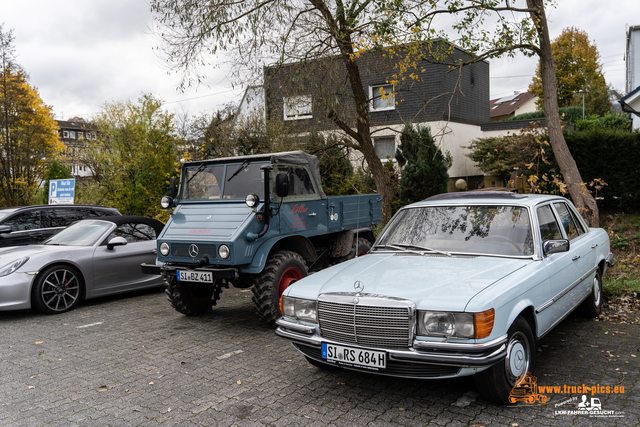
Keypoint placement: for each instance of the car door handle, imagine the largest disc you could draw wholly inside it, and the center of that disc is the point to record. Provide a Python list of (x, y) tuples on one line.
[(312, 214), (595, 245), (575, 258)]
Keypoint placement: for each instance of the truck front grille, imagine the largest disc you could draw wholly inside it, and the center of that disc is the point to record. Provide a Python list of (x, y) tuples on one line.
[(372, 321), (181, 250)]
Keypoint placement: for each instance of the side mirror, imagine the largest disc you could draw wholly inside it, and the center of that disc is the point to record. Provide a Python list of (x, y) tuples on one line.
[(4, 229), (116, 241), (172, 187), (555, 246), (282, 185)]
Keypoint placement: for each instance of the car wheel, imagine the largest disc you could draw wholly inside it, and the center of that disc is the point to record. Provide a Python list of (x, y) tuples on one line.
[(56, 289), (192, 299), (282, 269), (592, 306), (497, 382)]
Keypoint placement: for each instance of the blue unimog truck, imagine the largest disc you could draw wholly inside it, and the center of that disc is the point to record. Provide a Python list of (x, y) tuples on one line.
[(259, 222)]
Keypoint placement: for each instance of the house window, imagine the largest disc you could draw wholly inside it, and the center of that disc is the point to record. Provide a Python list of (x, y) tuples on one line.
[(79, 135), (72, 134), (382, 97), (385, 147), (65, 134), (298, 107)]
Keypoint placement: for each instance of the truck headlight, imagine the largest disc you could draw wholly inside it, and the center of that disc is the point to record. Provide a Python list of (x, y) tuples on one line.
[(445, 324), (164, 249), (166, 202), (223, 251), (7, 269), (252, 200), (300, 309)]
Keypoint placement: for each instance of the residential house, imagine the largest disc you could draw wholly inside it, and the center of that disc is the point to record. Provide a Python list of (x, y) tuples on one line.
[(74, 133), (453, 102), (631, 102), (512, 105)]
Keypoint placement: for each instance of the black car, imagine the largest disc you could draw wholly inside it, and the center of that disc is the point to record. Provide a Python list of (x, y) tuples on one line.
[(27, 225)]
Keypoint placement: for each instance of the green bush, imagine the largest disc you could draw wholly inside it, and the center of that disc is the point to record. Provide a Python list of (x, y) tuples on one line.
[(611, 120)]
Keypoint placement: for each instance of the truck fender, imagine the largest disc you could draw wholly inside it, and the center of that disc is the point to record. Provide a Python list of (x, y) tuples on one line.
[(298, 244)]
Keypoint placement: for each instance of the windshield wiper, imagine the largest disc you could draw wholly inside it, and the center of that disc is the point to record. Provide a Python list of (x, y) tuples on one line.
[(200, 169), (402, 245), (405, 248), (240, 169)]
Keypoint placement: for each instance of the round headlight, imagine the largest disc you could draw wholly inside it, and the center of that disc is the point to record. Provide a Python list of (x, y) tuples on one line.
[(252, 200), (223, 251), (166, 202), (164, 249)]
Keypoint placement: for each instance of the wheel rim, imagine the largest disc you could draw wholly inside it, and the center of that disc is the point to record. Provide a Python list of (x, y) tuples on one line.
[(596, 292), (60, 290), (517, 360), (290, 276)]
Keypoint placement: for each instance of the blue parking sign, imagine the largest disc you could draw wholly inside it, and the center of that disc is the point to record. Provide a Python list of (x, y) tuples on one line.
[(62, 191)]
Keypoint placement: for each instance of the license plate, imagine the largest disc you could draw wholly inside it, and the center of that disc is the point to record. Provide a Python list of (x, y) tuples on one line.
[(357, 357), (194, 276)]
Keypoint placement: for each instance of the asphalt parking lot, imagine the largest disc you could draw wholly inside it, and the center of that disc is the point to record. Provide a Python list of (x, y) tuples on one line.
[(133, 360)]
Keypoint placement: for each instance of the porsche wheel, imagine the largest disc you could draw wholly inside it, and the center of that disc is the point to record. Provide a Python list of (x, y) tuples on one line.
[(57, 289)]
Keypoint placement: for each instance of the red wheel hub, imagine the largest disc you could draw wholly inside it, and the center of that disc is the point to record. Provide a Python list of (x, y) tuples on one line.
[(290, 276)]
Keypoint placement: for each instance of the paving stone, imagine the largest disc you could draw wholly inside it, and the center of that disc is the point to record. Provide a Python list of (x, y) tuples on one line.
[(57, 371)]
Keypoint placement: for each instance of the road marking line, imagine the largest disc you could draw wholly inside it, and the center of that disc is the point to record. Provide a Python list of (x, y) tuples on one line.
[(225, 356), (90, 324)]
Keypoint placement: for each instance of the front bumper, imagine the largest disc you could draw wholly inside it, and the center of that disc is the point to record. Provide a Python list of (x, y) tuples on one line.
[(461, 355), (15, 291), (170, 270)]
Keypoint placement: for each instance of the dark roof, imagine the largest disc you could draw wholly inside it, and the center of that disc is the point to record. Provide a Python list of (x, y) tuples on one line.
[(123, 219), (80, 125), (509, 104), (32, 207)]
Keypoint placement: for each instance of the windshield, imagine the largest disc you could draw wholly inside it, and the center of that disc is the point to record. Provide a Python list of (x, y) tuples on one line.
[(82, 233), (490, 230), (209, 182)]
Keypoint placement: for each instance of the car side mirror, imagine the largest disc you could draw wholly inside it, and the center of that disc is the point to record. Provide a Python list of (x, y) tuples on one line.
[(555, 246), (4, 229), (172, 187), (116, 241), (282, 185)]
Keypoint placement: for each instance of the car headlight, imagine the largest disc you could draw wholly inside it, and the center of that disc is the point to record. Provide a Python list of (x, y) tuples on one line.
[(300, 309), (458, 325), (166, 202), (164, 249), (223, 251), (252, 200), (7, 269)]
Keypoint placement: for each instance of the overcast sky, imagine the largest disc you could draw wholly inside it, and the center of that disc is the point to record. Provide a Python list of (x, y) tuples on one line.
[(82, 54)]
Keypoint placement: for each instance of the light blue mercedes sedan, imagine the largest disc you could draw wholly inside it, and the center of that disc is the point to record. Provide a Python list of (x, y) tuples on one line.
[(458, 284)]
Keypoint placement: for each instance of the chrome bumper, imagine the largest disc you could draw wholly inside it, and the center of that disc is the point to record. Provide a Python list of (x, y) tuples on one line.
[(217, 273), (439, 353)]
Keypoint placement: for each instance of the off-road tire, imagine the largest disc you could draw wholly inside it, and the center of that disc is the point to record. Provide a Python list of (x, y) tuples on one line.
[(281, 270), (192, 299), (497, 382), (363, 246), (592, 306)]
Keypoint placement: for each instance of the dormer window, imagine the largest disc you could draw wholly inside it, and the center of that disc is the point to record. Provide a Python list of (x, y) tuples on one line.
[(382, 97), (298, 107)]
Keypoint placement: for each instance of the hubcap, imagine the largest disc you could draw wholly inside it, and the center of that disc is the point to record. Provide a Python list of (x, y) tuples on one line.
[(60, 290), (596, 292), (517, 360), (289, 277)]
